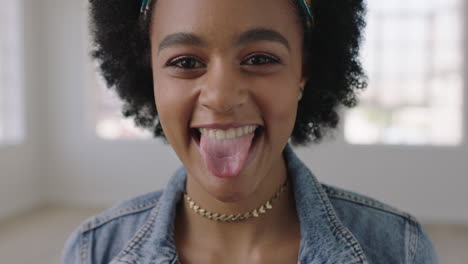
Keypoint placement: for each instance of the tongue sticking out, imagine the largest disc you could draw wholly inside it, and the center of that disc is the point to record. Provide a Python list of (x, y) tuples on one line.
[(225, 158)]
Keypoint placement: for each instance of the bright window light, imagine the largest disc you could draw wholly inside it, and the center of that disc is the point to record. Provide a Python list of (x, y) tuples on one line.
[(11, 74), (110, 123), (106, 116), (413, 54)]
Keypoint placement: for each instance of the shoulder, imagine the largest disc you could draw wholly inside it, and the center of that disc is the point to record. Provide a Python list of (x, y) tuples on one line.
[(127, 210), (118, 225), (352, 200), (383, 231)]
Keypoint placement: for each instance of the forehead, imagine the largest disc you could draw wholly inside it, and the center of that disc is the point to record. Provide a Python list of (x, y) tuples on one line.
[(224, 18)]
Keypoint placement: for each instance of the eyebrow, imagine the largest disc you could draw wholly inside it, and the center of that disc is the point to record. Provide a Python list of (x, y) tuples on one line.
[(253, 35), (181, 38), (262, 34)]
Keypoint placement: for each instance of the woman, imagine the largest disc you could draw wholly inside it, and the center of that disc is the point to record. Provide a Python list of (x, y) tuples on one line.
[(228, 84)]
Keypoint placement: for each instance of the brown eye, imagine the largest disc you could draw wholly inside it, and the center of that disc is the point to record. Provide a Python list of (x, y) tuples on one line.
[(260, 59), (186, 63)]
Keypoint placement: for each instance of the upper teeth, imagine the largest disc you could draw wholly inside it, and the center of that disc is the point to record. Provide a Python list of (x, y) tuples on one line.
[(231, 133)]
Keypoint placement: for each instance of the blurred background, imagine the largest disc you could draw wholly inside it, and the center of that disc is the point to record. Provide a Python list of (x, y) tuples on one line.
[(66, 153)]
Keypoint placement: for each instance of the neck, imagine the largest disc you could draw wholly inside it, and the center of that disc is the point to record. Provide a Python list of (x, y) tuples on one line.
[(247, 233)]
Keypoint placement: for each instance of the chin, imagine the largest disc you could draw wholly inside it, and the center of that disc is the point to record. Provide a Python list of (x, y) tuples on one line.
[(229, 190)]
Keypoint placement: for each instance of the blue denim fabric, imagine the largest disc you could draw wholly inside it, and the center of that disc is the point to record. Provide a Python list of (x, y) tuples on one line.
[(337, 227)]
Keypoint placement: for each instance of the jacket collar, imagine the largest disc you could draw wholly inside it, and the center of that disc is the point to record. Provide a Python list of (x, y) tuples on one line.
[(323, 238), (154, 242)]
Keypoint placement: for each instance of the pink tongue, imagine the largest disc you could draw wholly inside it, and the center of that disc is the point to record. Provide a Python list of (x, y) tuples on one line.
[(225, 158)]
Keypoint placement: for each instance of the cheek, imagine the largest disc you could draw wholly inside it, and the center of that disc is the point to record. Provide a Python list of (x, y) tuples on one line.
[(285, 105), (279, 104), (174, 106)]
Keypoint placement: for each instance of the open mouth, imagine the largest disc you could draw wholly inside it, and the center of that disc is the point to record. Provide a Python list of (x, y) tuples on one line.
[(225, 152), (196, 133)]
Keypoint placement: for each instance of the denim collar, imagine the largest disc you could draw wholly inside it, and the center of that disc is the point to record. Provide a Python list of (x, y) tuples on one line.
[(323, 238)]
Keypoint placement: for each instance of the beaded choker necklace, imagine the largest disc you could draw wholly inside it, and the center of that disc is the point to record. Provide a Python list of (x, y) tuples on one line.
[(235, 217)]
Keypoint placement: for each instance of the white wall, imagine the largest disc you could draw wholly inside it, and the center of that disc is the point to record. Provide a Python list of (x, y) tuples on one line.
[(81, 168), (428, 182), (78, 168), (20, 173)]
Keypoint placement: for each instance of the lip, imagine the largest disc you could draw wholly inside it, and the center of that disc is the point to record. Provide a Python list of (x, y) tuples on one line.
[(224, 126)]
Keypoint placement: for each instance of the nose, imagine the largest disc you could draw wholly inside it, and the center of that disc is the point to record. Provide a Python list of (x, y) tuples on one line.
[(224, 88)]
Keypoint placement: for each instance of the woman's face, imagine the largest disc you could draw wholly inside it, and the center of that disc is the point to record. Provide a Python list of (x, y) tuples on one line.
[(221, 69)]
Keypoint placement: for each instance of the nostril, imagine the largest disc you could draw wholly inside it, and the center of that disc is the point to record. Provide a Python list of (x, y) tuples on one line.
[(220, 107), (221, 101)]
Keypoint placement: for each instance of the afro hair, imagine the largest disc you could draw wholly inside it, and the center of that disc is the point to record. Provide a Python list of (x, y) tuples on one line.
[(331, 62)]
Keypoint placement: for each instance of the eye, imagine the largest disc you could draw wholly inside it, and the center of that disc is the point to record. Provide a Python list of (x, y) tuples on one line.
[(260, 59), (185, 63)]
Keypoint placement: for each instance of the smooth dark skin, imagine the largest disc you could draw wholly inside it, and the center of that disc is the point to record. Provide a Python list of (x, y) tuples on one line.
[(243, 63)]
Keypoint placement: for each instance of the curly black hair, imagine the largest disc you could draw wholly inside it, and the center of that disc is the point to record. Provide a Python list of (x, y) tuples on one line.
[(331, 62)]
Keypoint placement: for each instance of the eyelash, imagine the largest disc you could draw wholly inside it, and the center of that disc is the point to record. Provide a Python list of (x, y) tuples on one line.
[(194, 60), (174, 62)]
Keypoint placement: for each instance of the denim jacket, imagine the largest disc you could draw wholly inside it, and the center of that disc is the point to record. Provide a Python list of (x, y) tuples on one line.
[(337, 227)]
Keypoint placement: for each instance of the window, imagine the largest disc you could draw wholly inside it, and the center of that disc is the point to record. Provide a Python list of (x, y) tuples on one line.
[(413, 54), (11, 73)]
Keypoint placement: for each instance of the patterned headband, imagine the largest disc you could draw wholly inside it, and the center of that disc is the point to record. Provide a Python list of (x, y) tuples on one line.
[(305, 4)]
